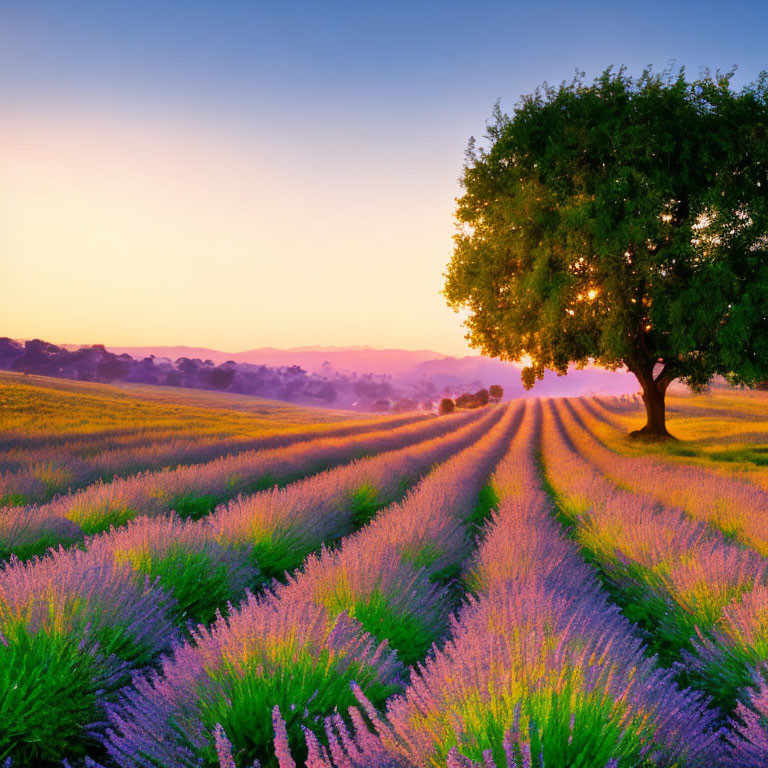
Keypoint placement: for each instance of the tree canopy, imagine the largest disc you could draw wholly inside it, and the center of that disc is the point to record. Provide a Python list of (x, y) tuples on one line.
[(622, 221)]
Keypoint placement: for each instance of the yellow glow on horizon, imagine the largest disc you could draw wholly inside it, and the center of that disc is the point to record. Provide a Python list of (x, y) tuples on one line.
[(125, 233)]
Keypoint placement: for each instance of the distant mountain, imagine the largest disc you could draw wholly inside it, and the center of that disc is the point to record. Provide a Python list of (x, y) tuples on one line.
[(311, 359), (358, 378), (422, 368), (473, 372), (172, 353), (327, 347)]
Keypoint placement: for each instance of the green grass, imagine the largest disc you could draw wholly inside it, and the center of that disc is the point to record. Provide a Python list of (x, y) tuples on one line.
[(727, 679), (195, 507), (757, 455), (679, 449), (488, 500), (102, 519), (405, 631), (276, 552), (574, 727), (198, 582), (13, 500), (365, 502), (52, 680), (39, 405)]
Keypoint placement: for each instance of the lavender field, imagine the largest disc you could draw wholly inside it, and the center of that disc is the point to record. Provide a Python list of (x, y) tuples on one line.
[(508, 586), (383, 384)]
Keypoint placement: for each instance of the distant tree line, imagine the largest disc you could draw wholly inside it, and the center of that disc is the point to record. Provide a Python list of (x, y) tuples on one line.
[(478, 399), (365, 391), (96, 363)]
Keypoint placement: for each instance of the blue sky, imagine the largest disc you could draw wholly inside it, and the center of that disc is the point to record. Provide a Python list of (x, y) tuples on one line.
[(354, 115), (235, 56)]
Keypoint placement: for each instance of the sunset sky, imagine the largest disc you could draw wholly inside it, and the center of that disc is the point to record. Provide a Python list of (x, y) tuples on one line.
[(245, 174)]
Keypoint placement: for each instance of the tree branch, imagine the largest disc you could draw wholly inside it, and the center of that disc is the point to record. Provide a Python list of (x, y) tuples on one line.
[(666, 376)]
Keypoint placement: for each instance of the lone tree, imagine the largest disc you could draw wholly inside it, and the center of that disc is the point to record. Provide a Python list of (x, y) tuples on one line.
[(447, 405), (496, 392), (623, 222)]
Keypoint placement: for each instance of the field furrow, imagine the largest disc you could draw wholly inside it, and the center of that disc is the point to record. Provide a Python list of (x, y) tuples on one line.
[(697, 596), (193, 491), (37, 475), (736, 507), (509, 587), (298, 649), (743, 404), (539, 664)]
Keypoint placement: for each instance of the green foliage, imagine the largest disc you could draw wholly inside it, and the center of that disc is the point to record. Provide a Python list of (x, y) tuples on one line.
[(423, 556), (405, 631), (113, 639), (305, 685), (38, 546), (676, 449), (669, 621), (753, 454), (200, 584), (450, 575), (101, 519), (264, 483), (195, 507), (365, 501), (52, 684), (568, 727), (623, 221), (47, 695), (13, 500), (728, 678), (278, 551), (644, 600), (487, 501)]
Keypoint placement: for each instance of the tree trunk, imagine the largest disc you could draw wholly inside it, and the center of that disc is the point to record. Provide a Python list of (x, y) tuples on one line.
[(655, 412), (654, 392)]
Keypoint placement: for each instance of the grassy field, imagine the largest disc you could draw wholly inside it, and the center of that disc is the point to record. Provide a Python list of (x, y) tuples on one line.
[(39, 405), (725, 430), (58, 435)]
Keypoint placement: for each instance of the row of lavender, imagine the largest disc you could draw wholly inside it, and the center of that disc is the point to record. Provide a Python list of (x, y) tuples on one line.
[(75, 623), (699, 597), (574, 684), (735, 509), (31, 473), (745, 411), (194, 490), (358, 613), (541, 670), (699, 490)]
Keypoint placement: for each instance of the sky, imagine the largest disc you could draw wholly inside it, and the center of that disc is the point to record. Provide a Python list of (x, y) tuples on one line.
[(240, 174)]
